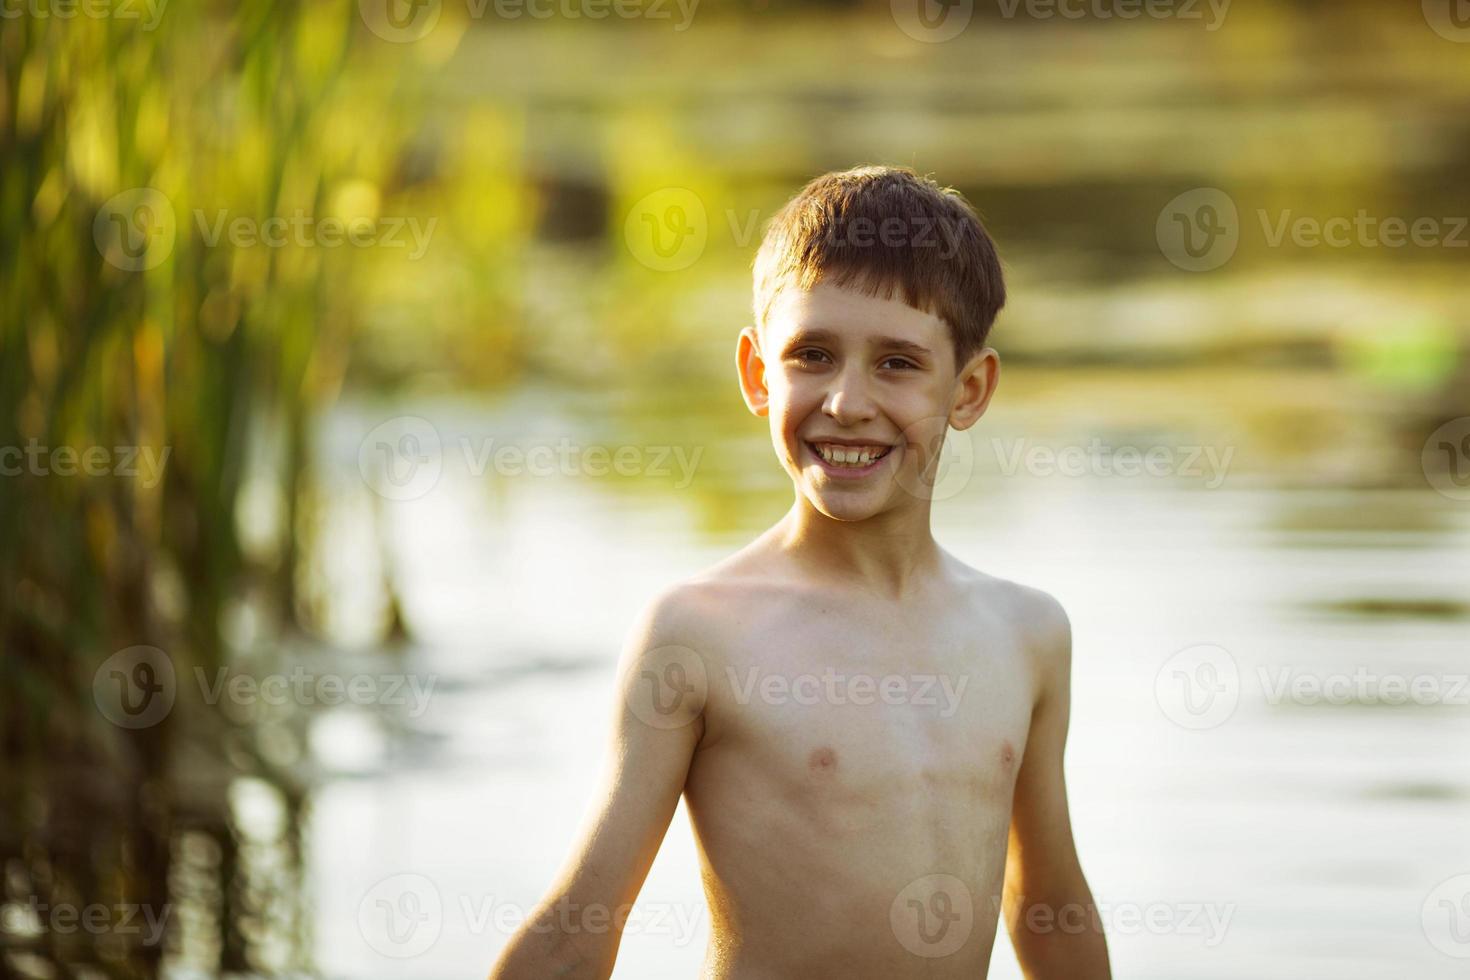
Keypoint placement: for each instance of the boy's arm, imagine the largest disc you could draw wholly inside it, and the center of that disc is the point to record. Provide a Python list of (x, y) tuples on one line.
[(1054, 925), (657, 722)]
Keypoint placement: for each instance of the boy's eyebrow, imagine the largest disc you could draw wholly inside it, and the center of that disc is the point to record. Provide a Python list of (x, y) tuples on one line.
[(817, 335)]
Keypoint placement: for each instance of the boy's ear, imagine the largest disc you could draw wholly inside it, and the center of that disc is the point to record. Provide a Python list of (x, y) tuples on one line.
[(752, 369), (974, 387)]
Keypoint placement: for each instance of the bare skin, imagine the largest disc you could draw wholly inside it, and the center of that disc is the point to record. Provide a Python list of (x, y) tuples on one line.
[(868, 733)]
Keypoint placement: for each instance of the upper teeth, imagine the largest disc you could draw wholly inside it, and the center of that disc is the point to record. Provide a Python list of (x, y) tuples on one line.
[(849, 455)]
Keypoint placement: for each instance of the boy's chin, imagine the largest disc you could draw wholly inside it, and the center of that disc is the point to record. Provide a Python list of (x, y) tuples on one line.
[(846, 505)]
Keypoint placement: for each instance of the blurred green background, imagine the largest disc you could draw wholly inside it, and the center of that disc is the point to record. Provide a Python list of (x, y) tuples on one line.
[(551, 223)]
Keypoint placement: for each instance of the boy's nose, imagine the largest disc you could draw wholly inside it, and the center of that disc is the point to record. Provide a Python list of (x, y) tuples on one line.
[(847, 401)]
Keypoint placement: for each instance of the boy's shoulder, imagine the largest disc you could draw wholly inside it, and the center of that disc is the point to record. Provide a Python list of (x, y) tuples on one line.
[(699, 610), (1036, 616), (702, 604), (1027, 603)]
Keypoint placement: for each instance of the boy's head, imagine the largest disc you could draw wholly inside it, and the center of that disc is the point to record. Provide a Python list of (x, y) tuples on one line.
[(891, 233), (875, 290)]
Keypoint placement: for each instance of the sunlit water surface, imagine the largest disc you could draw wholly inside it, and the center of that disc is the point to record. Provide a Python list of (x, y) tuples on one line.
[(1287, 840)]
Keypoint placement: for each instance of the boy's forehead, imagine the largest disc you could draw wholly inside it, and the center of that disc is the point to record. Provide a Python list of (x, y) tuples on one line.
[(849, 311)]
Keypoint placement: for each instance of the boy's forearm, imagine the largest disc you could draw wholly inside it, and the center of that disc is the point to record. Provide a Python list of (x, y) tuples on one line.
[(545, 947), (532, 956), (1060, 938)]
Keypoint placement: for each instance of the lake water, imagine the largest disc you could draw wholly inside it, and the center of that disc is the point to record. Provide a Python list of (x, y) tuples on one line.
[(1286, 839)]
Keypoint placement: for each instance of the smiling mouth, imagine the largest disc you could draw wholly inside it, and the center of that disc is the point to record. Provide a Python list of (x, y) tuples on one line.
[(848, 457)]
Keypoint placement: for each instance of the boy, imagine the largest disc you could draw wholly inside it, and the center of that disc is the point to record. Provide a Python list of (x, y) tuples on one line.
[(868, 733)]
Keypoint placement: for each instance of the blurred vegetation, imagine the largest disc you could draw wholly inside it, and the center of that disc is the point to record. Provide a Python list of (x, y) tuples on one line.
[(211, 354), (528, 144)]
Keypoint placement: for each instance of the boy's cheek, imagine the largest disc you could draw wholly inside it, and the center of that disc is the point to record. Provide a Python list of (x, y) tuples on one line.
[(785, 413)]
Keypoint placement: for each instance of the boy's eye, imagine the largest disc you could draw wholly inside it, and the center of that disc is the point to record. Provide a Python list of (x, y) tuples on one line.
[(809, 355), (899, 362)]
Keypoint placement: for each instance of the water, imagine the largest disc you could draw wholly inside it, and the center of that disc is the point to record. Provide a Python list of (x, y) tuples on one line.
[(1291, 839)]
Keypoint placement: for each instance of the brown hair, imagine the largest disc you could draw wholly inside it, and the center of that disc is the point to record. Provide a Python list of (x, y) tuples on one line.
[(886, 230)]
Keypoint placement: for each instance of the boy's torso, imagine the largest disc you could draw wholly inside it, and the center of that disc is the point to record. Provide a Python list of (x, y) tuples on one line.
[(851, 793)]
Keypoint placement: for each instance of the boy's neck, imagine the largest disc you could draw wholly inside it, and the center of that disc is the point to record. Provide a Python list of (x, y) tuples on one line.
[(892, 554)]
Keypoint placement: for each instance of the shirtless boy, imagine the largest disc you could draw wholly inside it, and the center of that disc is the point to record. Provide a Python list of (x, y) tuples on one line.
[(868, 733)]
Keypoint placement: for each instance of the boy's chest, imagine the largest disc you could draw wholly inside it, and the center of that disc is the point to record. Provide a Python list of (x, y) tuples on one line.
[(854, 702)]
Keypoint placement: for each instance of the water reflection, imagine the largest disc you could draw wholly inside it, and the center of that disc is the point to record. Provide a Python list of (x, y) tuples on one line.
[(518, 590)]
